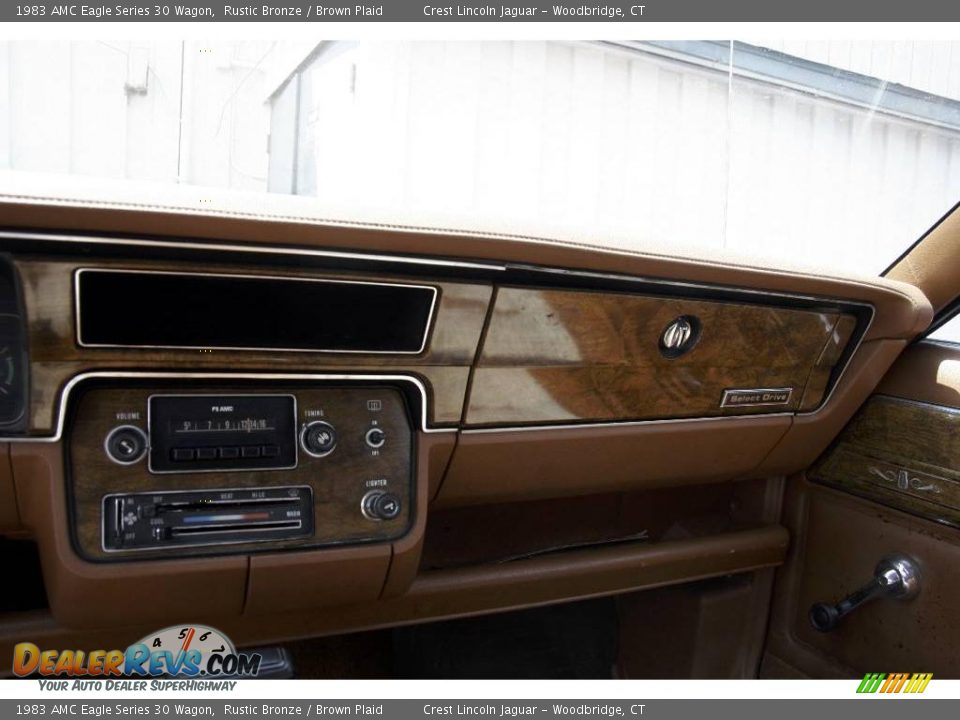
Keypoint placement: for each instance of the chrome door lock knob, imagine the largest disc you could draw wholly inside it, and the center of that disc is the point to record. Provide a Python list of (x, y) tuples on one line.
[(896, 576)]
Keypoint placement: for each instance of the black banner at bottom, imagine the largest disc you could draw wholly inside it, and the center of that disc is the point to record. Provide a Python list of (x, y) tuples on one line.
[(873, 707)]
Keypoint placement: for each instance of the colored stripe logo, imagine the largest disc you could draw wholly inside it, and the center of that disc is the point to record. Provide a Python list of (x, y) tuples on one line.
[(895, 683)]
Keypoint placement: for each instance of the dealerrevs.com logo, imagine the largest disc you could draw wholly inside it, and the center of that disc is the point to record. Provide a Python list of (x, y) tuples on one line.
[(179, 651)]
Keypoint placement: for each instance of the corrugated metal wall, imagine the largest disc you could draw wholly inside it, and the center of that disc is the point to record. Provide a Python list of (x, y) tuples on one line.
[(932, 67), (114, 109), (623, 147)]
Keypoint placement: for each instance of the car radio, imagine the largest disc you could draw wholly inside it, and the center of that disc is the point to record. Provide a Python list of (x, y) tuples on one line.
[(216, 466), (205, 433)]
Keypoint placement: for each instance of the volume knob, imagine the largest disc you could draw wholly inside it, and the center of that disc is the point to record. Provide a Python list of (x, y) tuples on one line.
[(126, 444)]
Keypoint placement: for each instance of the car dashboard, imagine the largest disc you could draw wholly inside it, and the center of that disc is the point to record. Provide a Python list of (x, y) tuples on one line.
[(289, 430)]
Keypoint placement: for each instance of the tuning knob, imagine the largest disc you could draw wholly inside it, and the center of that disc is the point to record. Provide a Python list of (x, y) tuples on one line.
[(318, 438)]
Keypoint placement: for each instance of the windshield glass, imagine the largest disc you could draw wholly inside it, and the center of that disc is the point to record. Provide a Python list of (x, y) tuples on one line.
[(837, 153)]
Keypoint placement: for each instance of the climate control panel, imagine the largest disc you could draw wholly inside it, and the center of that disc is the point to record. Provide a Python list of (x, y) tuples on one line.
[(206, 517), (214, 468)]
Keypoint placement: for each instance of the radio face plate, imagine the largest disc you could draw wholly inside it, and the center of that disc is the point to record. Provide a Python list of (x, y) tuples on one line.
[(374, 450), (210, 433)]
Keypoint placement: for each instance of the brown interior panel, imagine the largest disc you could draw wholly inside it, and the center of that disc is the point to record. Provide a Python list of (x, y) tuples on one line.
[(85, 594), (810, 434), (555, 356), (506, 532), (433, 456), (475, 590), (498, 466), (323, 578), (80, 595), (712, 629)]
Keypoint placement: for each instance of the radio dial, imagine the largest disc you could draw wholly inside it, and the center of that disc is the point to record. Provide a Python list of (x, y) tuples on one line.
[(318, 438), (126, 444)]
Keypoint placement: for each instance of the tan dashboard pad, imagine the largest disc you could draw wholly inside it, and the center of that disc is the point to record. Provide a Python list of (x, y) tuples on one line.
[(902, 310), (932, 264), (927, 372)]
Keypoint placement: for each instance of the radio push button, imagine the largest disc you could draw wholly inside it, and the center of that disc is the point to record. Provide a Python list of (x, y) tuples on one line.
[(318, 438)]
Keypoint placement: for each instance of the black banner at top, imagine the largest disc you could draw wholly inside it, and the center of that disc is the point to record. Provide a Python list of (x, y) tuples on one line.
[(636, 11)]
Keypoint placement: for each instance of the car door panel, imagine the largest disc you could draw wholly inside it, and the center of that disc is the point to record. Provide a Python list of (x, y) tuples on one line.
[(888, 484)]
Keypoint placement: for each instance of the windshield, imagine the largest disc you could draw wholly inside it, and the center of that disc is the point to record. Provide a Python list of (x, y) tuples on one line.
[(838, 153)]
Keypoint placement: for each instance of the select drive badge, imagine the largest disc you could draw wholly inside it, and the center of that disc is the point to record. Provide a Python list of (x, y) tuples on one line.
[(740, 397)]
